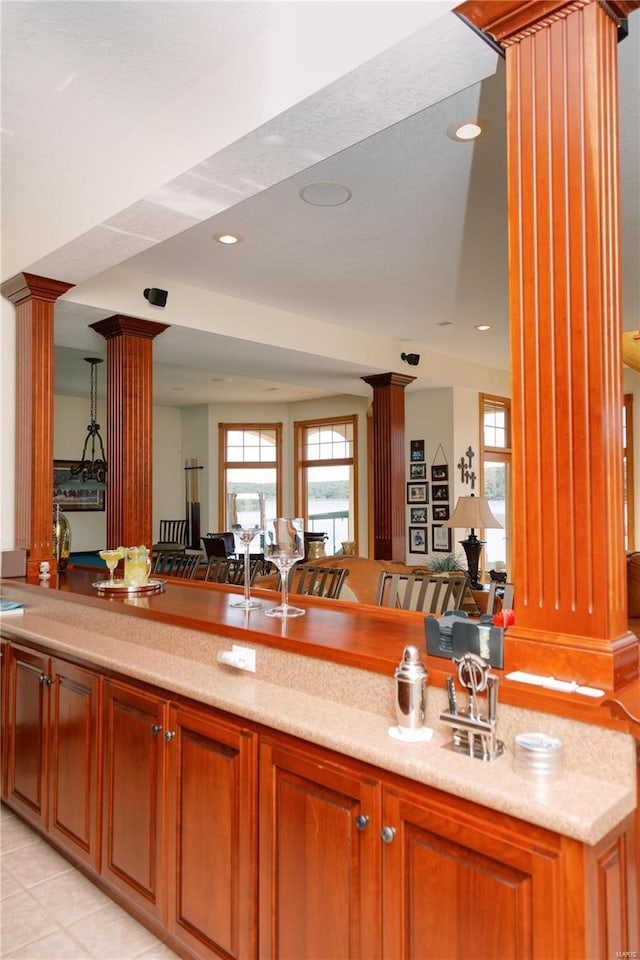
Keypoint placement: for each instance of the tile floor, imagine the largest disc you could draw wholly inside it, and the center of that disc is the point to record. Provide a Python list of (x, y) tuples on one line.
[(50, 911)]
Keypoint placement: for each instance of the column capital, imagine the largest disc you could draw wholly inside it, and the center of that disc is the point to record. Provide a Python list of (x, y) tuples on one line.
[(27, 285), (118, 325), (388, 380), (509, 21)]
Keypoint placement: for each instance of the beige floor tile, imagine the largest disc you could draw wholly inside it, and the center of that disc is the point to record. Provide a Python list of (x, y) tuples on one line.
[(33, 863), (8, 884), (23, 920), (55, 946), (69, 897), (111, 934), (160, 952), (16, 834)]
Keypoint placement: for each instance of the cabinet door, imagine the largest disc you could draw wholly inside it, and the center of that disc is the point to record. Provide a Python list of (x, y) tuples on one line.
[(73, 761), (319, 873), (4, 715), (212, 862), (459, 883), (27, 733), (134, 779)]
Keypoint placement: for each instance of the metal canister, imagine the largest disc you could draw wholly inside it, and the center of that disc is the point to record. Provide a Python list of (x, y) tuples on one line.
[(411, 683)]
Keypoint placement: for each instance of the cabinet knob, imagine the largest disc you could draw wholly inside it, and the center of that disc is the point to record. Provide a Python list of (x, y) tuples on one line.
[(49, 681), (41, 678), (169, 735), (387, 834), (361, 821), (155, 729)]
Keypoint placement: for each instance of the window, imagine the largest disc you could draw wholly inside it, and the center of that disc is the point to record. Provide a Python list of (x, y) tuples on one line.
[(495, 476), (627, 468), (250, 456), (326, 468)]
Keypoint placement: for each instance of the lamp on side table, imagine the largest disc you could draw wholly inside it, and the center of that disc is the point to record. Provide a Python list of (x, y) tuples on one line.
[(472, 513)]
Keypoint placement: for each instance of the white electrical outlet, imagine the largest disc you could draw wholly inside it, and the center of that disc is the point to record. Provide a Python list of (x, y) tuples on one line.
[(242, 658)]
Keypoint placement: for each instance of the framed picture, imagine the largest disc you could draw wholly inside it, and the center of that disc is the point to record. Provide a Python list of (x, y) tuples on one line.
[(417, 450), (71, 497), (418, 515), (441, 539), (440, 491), (439, 472), (440, 512), (417, 493), (418, 539), (418, 471)]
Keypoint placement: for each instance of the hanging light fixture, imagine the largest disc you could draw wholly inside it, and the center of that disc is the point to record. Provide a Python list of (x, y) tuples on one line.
[(91, 469)]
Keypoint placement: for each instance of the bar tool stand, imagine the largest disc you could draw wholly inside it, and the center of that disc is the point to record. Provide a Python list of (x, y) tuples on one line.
[(474, 733)]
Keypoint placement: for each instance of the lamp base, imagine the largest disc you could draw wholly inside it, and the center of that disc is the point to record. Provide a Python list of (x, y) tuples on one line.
[(472, 547)]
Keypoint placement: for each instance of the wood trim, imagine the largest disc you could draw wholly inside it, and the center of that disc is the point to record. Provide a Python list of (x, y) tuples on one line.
[(389, 471), (130, 427), (509, 21), (564, 266), (34, 300)]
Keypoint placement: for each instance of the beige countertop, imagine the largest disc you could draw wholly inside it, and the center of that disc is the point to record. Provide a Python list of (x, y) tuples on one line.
[(345, 709)]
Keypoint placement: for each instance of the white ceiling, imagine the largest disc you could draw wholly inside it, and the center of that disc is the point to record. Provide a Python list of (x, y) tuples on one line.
[(313, 298)]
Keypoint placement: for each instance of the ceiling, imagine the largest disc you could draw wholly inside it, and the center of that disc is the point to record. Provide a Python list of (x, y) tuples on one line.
[(312, 298)]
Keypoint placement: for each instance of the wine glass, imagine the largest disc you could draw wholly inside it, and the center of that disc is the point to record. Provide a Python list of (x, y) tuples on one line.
[(245, 518), (284, 546), (112, 558)]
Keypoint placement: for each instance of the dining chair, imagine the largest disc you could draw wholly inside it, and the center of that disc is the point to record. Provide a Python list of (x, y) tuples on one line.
[(316, 581), (502, 591), (231, 570), (173, 531), (176, 565), (421, 591), (212, 542)]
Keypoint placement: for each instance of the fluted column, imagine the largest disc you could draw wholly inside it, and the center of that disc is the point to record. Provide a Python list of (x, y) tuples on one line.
[(34, 299), (129, 428), (389, 472), (564, 267)]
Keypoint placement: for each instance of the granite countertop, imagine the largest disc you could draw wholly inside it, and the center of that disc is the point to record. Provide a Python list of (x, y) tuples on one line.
[(345, 709)]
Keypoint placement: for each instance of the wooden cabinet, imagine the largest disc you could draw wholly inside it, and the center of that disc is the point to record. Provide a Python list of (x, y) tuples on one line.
[(134, 787), (212, 834), (319, 856), (52, 745), (424, 876), (179, 818)]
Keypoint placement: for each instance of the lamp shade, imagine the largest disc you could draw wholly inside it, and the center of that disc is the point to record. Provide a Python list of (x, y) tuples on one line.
[(472, 513)]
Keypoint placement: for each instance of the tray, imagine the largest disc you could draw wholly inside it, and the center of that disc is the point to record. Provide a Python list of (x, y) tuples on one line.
[(122, 589)]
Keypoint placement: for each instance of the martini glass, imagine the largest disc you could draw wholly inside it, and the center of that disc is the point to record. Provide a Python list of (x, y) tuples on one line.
[(112, 559), (284, 546), (245, 518)]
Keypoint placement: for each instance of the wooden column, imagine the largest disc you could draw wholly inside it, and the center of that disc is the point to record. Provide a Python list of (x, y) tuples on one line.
[(389, 472), (129, 428), (34, 299), (564, 266)]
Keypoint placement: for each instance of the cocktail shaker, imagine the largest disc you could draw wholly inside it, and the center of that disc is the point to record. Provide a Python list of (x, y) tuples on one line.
[(411, 683)]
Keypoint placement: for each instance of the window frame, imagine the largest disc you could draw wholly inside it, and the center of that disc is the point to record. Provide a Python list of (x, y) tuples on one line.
[(492, 454), (224, 465), (301, 464)]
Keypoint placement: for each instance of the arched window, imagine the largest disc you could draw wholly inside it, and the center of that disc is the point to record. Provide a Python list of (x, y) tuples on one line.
[(326, 471), (250, 457)]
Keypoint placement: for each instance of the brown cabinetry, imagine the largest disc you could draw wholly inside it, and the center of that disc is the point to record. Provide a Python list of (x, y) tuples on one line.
[(179, 818), (52, 745), (355, 866)]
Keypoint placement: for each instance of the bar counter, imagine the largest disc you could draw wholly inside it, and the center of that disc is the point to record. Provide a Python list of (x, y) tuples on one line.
[(326, 678)]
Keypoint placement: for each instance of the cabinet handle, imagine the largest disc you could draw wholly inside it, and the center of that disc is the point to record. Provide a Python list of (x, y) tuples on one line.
[(169, 735), (155, 729), (41, 678), (387, 834), (361, 821), (48, 681)]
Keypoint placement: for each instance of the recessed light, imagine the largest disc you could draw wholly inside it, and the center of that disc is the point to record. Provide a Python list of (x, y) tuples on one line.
[(227, 238), (483, 326), (465, 131), (325, 194)]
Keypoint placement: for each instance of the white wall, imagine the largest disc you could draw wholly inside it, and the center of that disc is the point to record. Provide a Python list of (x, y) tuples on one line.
[(7, 425), (168, 467), (70, 418)]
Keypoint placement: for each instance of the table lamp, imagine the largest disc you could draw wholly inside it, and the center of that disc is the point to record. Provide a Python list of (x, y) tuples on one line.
[(471, 513)]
